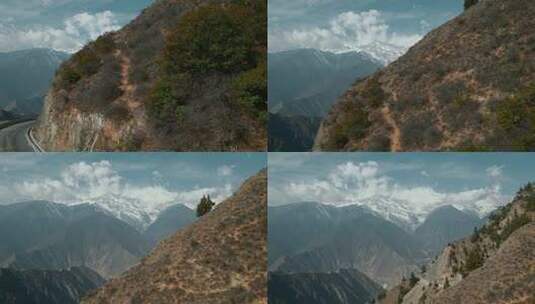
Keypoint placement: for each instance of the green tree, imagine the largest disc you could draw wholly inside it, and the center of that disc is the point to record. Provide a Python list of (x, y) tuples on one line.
[(469, 3), (205, 205), (413, 280)]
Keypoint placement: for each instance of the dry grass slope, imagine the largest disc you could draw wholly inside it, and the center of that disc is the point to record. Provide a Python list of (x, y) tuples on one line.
[(222, 258), (468, 85)]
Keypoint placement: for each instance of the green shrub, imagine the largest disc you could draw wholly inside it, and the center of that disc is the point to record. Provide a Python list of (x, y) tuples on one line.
[(165, 105), (373, 92), (474, 260), (516, 223), (250, 89), (212, 38), (354, 126), (104, 44), (205, 205), (469, 3)]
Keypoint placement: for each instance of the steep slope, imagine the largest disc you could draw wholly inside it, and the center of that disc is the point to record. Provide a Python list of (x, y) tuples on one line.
[(306, 82), (184, 75), (494, 265), (345, 286), (468, 85), (43, 235), (25, 76), (291, 133), (327, 239), (221, 258), (168, 222), (444, 225), (47, 287)]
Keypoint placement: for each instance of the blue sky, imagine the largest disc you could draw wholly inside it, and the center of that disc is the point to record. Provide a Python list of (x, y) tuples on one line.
[(419, 178), (326, 24), (64, 25), (161, 178)]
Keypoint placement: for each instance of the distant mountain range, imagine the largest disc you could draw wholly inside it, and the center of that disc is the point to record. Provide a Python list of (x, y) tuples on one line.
[(44, 235), (303, 85), (25, 77), (307, 82), (326, 239)]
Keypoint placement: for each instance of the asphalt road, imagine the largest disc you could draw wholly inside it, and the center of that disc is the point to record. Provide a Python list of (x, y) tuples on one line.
[(13, 138)]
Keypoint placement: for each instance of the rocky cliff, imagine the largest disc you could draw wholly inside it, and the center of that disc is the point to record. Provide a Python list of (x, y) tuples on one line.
[(493, 265), (468, 85), (184, 75), (221, 258)]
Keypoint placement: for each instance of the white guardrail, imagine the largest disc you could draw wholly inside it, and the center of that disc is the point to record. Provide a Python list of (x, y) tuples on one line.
[(33, 143)]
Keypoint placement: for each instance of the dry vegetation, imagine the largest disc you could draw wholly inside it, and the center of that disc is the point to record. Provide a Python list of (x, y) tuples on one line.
[(468, 85), (494, 265), (222, 258)]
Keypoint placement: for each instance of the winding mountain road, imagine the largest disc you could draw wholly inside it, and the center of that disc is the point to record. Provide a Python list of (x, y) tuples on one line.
[(16, 138)]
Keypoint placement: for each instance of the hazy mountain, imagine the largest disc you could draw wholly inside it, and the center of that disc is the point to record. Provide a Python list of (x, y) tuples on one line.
[(163, 82), (493, 265), (168, 222), (6, 115), (25, 76), (306, 82), (326, 239), (468, 85), (344, 286), (43, 235), (205, 262), (444, 225), (291, 133), (47, 287)]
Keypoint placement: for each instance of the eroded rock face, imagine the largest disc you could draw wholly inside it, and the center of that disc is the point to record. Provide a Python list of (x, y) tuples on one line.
[(222, 258), (468, 85), (104, 98)]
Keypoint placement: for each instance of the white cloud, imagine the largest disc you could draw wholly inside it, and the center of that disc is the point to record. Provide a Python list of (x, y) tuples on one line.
[(225, 170), (363, 183), (495, 172), (346, 32), (76, 31), (100, 184)]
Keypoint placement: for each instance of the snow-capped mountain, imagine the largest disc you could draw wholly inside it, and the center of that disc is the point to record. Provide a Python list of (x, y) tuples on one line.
[(410, 215), (134, 212), (384, 53)]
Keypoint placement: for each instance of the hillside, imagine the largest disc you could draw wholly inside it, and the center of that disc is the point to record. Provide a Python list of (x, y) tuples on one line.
[(468, 85), (221, 258), (345, 286), (494, 265), (183, 76), (25, 77), (47, 287)]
